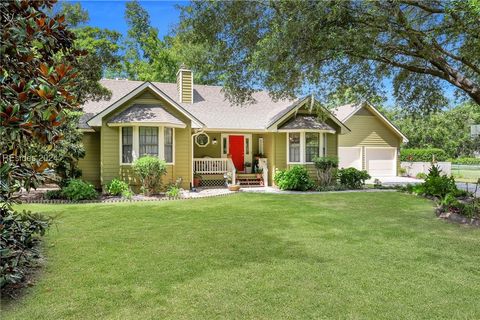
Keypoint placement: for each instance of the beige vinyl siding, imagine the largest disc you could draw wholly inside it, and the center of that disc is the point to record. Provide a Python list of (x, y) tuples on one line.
[(110, 148), (183, 157), (186, 82), (90, 164), (211, 150), (281, 151), (110, 156), (332, 145), (367, 130)]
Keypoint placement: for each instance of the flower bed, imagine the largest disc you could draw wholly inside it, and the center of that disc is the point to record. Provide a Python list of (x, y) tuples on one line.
[(452, 204)]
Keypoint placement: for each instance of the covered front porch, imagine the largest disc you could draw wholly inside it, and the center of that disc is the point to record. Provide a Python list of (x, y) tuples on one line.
[(229, 157)]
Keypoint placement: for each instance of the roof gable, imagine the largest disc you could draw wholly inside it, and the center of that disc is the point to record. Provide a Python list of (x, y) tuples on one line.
[(146, 113), (96, 120), (285, 114), (345, 112)]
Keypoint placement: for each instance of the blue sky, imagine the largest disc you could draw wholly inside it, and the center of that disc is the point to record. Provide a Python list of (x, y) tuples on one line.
[(163, 15), (110, 14)]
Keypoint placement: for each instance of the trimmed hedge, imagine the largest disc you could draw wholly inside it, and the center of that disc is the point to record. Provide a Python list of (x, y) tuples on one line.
[(423, 155), (466, 161)]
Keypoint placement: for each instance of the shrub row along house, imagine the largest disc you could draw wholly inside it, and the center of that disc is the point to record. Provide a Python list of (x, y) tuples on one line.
[(198, 132)]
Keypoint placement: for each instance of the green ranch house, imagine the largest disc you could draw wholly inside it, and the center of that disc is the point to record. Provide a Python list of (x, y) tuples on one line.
[(198, 132)]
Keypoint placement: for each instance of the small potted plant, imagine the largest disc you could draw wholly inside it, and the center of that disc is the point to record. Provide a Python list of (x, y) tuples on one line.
[(248, 167), (197, 180)]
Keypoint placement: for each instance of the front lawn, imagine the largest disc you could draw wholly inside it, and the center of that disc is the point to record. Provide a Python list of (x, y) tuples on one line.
[(344, 255)]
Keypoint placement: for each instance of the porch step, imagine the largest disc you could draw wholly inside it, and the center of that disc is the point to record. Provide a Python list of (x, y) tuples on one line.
[(248, 180)]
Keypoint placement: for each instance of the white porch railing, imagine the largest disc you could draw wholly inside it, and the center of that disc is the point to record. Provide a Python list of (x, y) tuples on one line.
[(214, 166), (210, 165)]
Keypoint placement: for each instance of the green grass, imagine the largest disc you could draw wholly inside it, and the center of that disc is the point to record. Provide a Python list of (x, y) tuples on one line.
[(466, 175), (252, 256)]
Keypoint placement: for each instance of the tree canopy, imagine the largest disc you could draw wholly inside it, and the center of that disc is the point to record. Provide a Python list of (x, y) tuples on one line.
[(151, 58), (37, 86), (289, 47), (448, 130)]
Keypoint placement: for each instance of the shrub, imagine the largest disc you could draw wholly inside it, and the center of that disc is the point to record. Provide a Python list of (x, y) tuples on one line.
[(173, 191), (438, 185), (77, 189), (150, 170), (128, 194), (421, 175), (353, 178), (117, 187), (295, 178), (326, 170), (423, 155), (53, 195), (20, 234), (466, 161), (449, 201)]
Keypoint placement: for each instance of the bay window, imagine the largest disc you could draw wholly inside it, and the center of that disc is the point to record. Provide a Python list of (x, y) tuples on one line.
[(137, 141), (303, 147)]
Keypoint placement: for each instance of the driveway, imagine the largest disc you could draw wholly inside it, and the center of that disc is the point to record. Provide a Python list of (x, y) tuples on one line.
[(393, 181), (470, 187)]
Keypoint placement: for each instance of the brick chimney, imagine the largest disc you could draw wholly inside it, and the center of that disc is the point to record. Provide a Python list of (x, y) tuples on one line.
[(185, 84)]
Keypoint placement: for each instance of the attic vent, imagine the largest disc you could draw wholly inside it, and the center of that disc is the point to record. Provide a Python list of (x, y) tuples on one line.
[(185, 85)]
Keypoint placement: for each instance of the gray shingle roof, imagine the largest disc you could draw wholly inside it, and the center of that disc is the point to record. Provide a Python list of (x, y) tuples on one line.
[(146, 113), (305, 122), (209, 105), (344, 112)]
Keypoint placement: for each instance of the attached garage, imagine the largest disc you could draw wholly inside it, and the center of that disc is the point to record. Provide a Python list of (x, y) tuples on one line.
[(381, 162), (372, 143), (350, 157)]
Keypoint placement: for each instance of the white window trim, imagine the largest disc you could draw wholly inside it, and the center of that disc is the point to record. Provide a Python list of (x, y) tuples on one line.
[(136, 144), (302, 146)]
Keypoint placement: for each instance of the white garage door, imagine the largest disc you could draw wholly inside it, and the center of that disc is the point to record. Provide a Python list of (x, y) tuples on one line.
[(350, 157), (380, 161)]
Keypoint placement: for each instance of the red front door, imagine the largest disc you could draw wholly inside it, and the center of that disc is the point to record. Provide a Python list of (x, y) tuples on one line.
[(236, 147)]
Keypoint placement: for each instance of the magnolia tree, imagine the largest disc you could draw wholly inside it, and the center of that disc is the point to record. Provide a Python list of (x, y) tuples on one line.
[(37, 81)]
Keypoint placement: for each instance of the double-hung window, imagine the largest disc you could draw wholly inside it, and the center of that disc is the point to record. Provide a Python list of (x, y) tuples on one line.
[(303, 147), (312, 146), (148, 143), (294, 147), (127, 145)]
